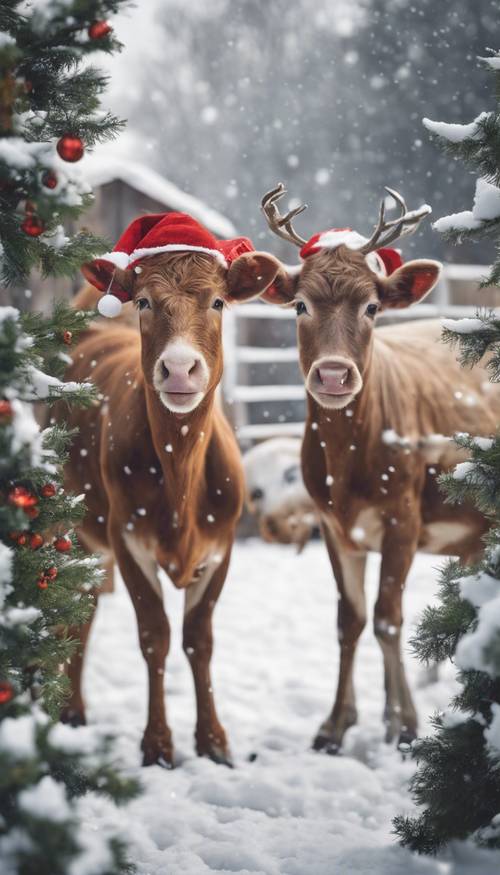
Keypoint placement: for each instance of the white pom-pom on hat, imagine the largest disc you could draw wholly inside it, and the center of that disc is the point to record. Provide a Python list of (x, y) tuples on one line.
[(110, 306)]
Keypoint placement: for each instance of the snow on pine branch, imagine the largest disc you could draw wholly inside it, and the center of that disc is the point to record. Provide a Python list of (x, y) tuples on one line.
[(44, 386), (456, 133), (486, 208), (463, 326)]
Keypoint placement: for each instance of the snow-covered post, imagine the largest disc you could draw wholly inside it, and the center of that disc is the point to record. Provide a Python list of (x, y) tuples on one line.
[(458, 778)]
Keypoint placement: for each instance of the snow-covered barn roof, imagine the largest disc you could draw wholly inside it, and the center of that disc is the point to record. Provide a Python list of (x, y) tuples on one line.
[(98, 169)]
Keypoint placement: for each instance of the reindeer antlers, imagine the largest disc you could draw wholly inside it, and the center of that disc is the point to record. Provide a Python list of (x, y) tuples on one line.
[(387, 232), (281, 225)]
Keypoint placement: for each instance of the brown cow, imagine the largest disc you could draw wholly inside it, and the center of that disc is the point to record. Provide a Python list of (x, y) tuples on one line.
[(379, 405), (160, 465)]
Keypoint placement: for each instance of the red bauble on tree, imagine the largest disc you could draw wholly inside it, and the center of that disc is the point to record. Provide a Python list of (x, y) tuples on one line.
[(98, 29), (33, 225), (50, 573), (6, 692), (67, 338), (42, 582), (22, 497), (63, 544), (48, 490), (36, 541), (70, 148), (49, 179), (5, 412)]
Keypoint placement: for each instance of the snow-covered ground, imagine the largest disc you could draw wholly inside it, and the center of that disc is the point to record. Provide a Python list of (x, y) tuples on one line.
[(290, 811)]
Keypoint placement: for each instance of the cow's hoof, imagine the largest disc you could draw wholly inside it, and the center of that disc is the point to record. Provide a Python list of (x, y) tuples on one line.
[(157, 753), (159, 760), (73, 716), (218, 754), (405, 741), (325, 744)]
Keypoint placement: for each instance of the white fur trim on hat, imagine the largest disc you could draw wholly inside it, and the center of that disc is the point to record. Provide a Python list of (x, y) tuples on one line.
[(332, 239), (177, 247), (119, 259)]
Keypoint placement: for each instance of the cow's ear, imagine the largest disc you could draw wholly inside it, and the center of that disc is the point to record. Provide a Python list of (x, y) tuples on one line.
[(257, 274), (105, 276), (409, 284)]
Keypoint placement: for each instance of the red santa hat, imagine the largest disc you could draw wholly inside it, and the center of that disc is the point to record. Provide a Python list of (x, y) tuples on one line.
[(384, 261), (153, 234)]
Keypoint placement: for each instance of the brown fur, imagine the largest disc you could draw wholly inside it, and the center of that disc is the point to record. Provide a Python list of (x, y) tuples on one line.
[(147, 505), (411, 383)]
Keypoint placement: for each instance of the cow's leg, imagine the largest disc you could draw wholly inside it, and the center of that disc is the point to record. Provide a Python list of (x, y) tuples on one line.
[(138, 568), (201, 598), (73, 711), (400, 715), (349, 571)]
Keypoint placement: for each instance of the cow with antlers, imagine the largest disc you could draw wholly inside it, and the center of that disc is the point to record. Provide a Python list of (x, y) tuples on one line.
[(381, 407), (157, 459)]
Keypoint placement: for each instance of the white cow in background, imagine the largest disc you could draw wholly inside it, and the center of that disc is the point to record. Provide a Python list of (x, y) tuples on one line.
[(275, 492)]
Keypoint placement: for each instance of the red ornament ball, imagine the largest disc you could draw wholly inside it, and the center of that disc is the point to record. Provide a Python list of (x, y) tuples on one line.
[(6, 692), (32, 225), (70, 148), (31, 512), (21, 497), (98, 29), (21, 539), (49, 179), (42, 582), (36, 541), (5, 411), (50, 573), (48, 490), (67, 337), (63, 544)]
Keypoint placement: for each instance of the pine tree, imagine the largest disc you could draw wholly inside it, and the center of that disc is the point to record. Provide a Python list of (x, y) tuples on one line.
[(49, 113), (49, 105), (458, 776), (45, 587)]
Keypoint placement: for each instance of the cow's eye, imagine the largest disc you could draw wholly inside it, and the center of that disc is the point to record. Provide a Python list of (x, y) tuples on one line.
[(143, 304), (256, 494), (372, 310), (300, 308), (218, 304)]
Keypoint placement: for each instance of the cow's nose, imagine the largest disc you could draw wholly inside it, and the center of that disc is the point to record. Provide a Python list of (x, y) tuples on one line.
[(182, 374), (334, 377)]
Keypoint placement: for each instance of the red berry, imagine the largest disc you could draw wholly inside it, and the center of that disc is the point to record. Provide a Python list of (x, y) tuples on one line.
[(6, 692), (48, 490), (36, 541), (98, 29), (70, 148), (63, 544)]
